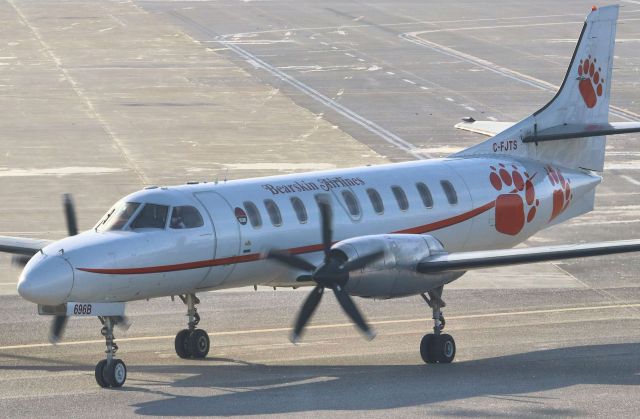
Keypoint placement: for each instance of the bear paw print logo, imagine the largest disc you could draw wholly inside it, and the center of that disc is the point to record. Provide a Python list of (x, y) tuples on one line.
[(517, 204), (561, 191), (590, 85)]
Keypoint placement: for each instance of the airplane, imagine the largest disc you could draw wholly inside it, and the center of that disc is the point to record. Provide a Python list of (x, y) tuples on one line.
[(387, 231)]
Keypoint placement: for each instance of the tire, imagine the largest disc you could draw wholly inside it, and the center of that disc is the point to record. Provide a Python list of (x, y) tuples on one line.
[(115, 373), (426, 348), (182, 344), (199, 344), (100, 366), (446, 349)]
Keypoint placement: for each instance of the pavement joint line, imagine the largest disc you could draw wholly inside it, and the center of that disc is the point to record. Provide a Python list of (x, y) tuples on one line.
[(369, 125), (495, 68), (337, 325), (79, 91), (630, 180), (411, 23)]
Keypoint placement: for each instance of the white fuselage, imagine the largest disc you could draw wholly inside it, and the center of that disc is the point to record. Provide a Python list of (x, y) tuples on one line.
[(498, 203)]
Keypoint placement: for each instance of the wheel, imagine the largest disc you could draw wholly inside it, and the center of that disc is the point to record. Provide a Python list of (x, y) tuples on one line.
[(100, 373), (426, 348), (199, 343), (182, 343), (444, 349), (115, 373)]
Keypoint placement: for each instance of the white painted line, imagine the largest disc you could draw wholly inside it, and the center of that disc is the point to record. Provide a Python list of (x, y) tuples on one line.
[(334, 47), (408, 81), (391, 73), (337, 325), (424, 88), (371, 126), (495, 68), (630, 180), (349, 54)]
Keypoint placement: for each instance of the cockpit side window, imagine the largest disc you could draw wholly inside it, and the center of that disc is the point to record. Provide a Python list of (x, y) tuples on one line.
[(185, 217), (117, 217), (151, 216)]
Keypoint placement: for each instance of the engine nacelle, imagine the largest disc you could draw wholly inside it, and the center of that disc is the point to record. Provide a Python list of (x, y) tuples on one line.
[(395, 274)]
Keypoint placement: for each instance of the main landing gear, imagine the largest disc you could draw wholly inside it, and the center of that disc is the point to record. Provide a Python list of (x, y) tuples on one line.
[(110, 372), (437, 347), (192, 342)]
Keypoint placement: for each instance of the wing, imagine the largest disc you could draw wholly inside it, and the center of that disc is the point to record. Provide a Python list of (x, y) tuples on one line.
[(488, 128), (464, 261), (22, 246)]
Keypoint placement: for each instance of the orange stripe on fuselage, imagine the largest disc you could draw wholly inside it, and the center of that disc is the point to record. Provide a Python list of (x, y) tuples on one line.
[(448, 222)]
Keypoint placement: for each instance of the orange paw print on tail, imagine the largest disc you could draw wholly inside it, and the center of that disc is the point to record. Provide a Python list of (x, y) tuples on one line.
[(590, 81), (561, 191), (518, 193)]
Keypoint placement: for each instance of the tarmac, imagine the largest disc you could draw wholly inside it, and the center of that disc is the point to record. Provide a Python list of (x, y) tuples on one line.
[(103, 98)]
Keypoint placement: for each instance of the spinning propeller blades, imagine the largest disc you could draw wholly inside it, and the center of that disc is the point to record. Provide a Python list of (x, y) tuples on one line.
[(332, 273), (59, 322)]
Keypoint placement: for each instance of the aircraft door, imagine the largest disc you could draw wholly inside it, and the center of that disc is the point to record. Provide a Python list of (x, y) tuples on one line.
[(227, 236)]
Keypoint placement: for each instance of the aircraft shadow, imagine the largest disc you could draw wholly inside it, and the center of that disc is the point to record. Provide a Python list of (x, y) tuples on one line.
[(270, 389)]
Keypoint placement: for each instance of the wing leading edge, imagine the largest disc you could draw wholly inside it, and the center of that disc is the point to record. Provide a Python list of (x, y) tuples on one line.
[(464, 261), (21, 246)]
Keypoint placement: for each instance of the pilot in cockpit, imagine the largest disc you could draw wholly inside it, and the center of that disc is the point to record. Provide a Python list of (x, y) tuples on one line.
[(176, 219)]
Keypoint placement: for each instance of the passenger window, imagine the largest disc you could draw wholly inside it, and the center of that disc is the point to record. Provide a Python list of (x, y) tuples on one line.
[(425, 194), (151, 216), (352, 203), (401, 197), (185, 217), (273, 211), (376, 201), (254, 215), (449, 190), (298, 207)]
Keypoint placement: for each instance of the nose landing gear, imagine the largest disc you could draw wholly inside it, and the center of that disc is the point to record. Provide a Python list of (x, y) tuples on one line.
[(110, 372), (437, 347), (192, 342)]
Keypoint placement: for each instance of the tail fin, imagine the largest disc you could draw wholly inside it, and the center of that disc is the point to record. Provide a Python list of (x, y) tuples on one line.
[(581, 104)]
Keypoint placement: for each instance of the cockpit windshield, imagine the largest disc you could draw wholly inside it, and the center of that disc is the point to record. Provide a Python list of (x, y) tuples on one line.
[(117, 217)]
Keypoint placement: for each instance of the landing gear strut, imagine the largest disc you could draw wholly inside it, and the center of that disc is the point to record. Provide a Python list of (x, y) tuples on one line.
[(192, 342), (110, 372), (437, 347)]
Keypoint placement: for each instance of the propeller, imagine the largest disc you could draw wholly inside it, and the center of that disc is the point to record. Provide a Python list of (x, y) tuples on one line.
[(332, 273), (59, 322)]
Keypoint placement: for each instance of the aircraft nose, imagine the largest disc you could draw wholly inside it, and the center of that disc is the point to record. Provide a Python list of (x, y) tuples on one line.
[(46, 280)]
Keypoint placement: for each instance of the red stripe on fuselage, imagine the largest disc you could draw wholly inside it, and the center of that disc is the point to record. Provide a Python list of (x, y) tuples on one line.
[(448, 222)]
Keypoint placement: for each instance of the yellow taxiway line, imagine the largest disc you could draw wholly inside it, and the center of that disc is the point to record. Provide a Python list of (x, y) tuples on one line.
[(337, 325)]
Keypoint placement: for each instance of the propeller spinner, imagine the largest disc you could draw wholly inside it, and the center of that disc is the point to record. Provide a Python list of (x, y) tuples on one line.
[(332, 273)]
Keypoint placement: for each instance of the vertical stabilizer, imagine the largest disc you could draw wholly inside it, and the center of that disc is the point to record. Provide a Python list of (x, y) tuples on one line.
[(583, 99)]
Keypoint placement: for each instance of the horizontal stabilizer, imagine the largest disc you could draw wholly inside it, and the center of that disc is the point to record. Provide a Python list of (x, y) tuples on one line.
[(21, 246), (488, 128), (563, 132), (465, 261)]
